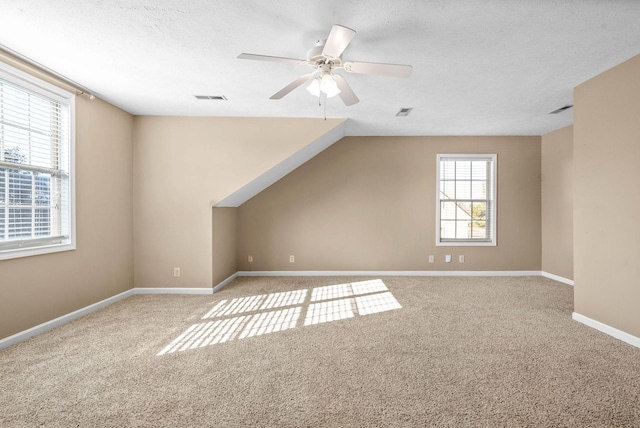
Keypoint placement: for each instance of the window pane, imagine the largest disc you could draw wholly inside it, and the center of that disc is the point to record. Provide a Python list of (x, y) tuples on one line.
[(463, 170), (479, 189), (43, 222), (479, 229), (479, 170), (447, 229), (448, 190), (3, 183), (15, 99), (19, 187), (40, 109), (15, 153), (479, 210), (41, 150), (464, 211), (448, 210), (43, 189), (463, 190), (463, 229), (19, 223), (2, 223), (447, 170)]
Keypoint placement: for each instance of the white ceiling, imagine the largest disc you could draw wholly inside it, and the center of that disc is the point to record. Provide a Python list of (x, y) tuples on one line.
[(479, 67)]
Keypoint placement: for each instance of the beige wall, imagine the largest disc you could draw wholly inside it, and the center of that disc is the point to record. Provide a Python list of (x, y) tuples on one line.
[(368, 203), (184, 165), (40, 288), (607, 198), (557, 202), (224, 221)]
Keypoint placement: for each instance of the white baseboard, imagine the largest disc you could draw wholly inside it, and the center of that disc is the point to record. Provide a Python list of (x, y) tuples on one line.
[(604, 328), (390, 273), (221, 285), (557, 278), (41, 328), (177, 290)]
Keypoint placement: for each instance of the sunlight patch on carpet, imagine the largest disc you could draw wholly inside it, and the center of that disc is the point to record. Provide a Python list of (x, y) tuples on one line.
[(270, 322), (374, 303), (252, 303), (326, 304), (332, 310), (344, 290)]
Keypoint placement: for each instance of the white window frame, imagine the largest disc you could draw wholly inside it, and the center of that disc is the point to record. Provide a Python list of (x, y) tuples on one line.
[(492, 195), (32, 247)]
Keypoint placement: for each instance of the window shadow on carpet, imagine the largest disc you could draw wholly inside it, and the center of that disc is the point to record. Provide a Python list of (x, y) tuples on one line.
[(262, 313)]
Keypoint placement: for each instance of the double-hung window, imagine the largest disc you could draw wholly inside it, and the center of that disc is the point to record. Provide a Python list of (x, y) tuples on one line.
[(36, 166), (466, 202)]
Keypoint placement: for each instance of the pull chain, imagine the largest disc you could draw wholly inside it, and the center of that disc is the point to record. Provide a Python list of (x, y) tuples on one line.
[(325, 109), (322, 101)]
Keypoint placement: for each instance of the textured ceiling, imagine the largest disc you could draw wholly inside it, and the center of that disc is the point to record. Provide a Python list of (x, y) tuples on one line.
[(479, 67)]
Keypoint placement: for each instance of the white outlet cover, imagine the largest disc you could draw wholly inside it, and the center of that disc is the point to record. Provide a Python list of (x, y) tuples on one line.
[(447, 258)]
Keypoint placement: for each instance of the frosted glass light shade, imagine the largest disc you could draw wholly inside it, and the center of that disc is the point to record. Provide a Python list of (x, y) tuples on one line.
[(325, 84), (329, 86), (314, 87)]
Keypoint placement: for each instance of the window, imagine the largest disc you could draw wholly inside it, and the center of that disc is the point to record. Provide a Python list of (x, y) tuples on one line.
[(36, 166), (466, 202)]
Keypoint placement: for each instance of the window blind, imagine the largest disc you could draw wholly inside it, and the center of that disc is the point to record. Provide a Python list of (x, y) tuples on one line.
[(34, 167)]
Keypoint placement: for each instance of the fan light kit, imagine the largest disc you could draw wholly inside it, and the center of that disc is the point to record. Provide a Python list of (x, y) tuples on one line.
[(325, 85), (326, 57)]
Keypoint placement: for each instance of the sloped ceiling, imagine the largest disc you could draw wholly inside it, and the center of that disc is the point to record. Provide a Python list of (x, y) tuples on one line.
[(480, 67), (284, 167)]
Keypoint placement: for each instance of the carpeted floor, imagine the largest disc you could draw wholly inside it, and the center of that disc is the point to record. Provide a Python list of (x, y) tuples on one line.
[(403, 351)]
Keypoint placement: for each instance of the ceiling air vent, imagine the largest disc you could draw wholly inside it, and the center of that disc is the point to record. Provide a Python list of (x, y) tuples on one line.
[(404, 111), (561, 109), (211, 97)]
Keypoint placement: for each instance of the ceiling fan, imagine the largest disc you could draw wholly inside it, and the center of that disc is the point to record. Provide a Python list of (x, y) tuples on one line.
[(324, 58)]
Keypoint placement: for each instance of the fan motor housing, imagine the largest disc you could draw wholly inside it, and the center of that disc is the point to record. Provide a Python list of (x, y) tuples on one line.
[(316, 58)]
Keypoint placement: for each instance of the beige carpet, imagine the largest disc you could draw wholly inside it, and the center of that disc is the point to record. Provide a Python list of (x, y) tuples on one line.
[(408, 351)]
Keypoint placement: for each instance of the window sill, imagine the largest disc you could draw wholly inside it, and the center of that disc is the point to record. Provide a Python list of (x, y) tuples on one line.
[(466, 244), (36, 251)]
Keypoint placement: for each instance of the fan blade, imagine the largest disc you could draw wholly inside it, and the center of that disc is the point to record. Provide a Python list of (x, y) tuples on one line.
[(347, 95), (379, 69), (271, 58), (338, 40), (291, 86)]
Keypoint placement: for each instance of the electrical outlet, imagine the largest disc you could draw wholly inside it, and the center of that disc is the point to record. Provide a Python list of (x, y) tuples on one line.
[(447, 258), (461, 259), (292, 259), (176, 272), (430, 259), (250, 259)]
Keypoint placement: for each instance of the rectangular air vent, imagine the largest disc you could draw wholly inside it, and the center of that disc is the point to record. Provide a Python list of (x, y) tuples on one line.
[(404, 111), (561, 109), (211, 97)]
